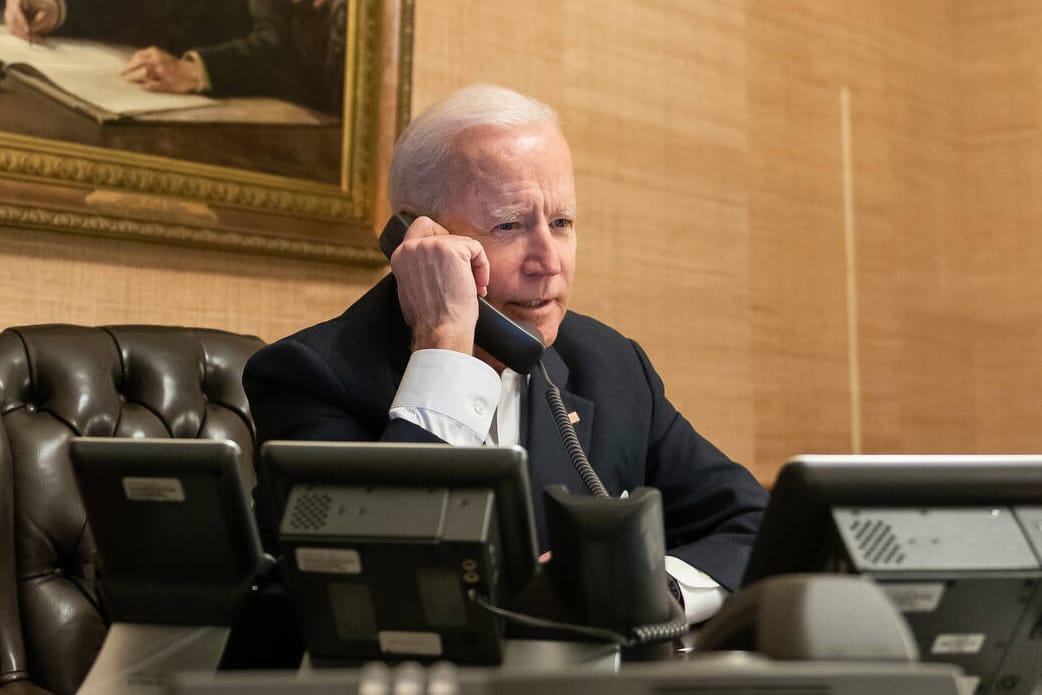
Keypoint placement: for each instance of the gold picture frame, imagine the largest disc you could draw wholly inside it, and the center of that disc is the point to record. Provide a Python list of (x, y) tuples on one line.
[(62, 186)]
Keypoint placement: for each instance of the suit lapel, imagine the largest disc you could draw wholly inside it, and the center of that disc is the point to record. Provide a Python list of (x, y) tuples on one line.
[(548, 460), (399, 342)]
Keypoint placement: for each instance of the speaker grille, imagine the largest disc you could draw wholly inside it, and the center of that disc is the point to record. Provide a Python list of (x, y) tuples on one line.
[(311, 511), (877, 542)]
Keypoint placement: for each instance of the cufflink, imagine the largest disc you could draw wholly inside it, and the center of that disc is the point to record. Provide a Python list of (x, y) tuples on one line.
[(674, 589)]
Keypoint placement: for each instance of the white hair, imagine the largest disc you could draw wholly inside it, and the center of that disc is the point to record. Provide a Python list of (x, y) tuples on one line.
[(422, 156)]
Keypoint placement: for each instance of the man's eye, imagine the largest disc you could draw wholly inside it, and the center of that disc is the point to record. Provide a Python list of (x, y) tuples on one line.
[(507, 226), (562, 222)]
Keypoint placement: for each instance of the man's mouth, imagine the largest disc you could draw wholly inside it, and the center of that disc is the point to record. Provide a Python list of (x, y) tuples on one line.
[(532, 304)]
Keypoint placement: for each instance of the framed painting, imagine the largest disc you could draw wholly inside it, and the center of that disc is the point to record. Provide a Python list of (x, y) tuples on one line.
[(294, 174)]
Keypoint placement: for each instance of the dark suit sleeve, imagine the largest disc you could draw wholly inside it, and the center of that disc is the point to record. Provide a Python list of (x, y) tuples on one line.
[(103, 20), (295, 394), (712, 505), (259, 63)]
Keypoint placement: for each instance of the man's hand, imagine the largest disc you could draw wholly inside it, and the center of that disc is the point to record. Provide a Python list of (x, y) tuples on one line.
[(439, 278), (29, 19), (155, 70)]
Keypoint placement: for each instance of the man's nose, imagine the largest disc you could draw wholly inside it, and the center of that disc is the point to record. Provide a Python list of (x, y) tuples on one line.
[(542, 257)]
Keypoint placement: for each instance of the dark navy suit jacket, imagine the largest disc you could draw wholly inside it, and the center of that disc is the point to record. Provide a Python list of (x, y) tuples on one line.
[(335, 381)]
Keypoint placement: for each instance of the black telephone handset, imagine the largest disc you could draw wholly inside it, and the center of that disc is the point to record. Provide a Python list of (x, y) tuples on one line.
[(516, 345)]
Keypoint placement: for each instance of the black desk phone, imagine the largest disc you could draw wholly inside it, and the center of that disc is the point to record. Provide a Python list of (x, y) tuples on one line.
[(517, 345)]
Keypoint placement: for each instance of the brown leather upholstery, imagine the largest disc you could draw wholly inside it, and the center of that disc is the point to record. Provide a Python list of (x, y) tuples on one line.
[(60, 381)]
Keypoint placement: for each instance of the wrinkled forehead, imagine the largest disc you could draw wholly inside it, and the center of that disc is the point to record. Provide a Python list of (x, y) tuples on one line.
[(536, 150)]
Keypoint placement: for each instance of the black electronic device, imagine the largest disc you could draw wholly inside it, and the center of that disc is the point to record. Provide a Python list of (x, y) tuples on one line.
[(388, 547), (608, 560), (955, 541), (515, 344), (176, 540)]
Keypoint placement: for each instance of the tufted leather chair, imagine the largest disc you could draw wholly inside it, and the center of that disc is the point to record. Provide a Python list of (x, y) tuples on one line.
[(60, 381)]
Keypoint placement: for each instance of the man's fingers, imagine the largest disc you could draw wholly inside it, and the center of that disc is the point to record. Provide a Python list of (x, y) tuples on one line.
[(425, 231), (15, 20), (138, 74), (480, 266), (38, 21), (470, 249), (153, 70), (136, 64), (424, 226), (145, 58)]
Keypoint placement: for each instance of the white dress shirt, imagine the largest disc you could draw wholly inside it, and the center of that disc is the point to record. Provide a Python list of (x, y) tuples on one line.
[(464, 402)]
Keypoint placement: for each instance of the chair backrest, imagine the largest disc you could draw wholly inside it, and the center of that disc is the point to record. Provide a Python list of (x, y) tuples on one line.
[(61, 381)]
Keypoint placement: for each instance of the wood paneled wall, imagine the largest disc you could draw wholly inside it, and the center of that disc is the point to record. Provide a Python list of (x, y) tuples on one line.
[(59, 278), (1000, 101), (819, 218)]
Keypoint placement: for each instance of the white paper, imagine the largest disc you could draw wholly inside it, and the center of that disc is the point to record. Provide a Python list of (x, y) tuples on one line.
[(89, 70)]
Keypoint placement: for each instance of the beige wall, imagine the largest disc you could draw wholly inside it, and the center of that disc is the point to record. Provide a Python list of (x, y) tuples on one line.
[(793, 297), (1000, 104)]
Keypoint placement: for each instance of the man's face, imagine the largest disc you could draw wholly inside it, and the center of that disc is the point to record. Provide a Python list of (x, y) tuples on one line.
[(512, 190)]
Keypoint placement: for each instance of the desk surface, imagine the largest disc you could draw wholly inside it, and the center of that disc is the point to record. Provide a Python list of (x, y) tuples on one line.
[(706, 673), (309, 152)]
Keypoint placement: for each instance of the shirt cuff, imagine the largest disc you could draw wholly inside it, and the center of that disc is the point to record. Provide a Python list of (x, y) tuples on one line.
[(450, 394), (61, 12), (703, 596), (202, 75)]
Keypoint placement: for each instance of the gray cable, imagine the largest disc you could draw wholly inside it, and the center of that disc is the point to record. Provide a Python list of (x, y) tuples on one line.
[(570, 439)]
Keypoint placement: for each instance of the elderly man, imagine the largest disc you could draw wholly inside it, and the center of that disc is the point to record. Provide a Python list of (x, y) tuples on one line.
[(488, 176)]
